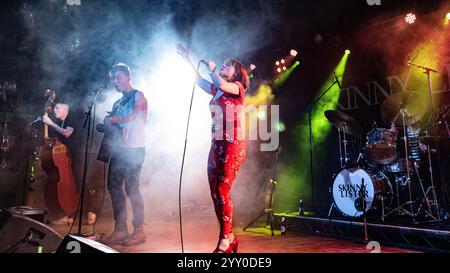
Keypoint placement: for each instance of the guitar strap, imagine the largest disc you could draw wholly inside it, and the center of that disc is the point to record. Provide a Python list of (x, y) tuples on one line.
[(124, 101)]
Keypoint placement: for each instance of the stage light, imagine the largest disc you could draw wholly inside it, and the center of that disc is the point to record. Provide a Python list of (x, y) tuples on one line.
[(262, 114), (410, 18), (277, 63), (318, 38), (347, 51), (283, 76), (293, 52), (447, 16), (73, 2), (282, 61), (281, 127)]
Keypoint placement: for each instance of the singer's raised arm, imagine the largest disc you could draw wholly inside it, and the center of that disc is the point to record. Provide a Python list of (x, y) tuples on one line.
[(201, 82)]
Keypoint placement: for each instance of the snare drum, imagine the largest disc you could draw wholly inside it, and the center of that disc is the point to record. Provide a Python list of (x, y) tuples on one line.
[(399, 166), (381, 147), (348, 191)]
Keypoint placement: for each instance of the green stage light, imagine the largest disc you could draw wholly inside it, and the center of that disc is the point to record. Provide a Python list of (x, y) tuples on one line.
[(295, 175), (284, 74), (281, 127), (347, 51)]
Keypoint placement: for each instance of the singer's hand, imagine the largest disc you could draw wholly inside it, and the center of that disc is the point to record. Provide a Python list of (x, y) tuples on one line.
[(211, 66), (47, 120), (183, 51)]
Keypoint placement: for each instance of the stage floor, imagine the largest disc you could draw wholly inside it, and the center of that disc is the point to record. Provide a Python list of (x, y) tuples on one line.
[(200, 236)]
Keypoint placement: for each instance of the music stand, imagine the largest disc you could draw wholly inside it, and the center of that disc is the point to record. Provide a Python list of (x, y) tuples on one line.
[(268, 211)]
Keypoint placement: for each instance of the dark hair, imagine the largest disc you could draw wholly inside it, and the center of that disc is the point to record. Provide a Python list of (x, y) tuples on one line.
[(120, 67), (240, 73)]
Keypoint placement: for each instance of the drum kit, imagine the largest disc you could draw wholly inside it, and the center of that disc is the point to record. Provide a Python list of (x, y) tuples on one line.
[(380, 181)]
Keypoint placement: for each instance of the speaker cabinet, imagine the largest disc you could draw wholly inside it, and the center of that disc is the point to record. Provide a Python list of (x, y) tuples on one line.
[(20, 234), (76, 244)]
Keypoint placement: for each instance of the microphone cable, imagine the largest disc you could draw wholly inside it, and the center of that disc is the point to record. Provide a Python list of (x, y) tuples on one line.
[(184, 155)]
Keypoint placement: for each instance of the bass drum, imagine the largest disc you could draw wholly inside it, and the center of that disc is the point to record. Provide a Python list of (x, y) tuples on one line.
[(348, 190)]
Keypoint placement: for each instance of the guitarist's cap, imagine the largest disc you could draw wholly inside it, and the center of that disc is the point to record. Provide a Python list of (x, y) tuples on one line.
[(120, 67)]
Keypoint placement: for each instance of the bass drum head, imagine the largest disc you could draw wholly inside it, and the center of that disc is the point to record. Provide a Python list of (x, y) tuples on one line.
[(347, 187)]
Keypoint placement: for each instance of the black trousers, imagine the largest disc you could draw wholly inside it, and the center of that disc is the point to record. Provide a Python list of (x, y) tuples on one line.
[(124, 169)]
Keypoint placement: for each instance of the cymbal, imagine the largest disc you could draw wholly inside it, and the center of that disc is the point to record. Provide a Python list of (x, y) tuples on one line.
[(412, 104), (344, 122)]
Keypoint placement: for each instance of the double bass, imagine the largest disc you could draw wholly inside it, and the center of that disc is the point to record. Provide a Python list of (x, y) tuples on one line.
[(61, 193)]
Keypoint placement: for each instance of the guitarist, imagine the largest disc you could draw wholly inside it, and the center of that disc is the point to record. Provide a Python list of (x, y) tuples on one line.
[(129, 117)]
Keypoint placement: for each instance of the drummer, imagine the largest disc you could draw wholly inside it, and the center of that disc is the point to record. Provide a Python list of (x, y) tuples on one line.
[(415, 147)]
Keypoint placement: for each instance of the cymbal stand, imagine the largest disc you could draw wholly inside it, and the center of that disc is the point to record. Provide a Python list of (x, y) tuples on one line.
[(433, 190), (343, 143), (340, 149), (343, 159), (425, 197), (405, 141)]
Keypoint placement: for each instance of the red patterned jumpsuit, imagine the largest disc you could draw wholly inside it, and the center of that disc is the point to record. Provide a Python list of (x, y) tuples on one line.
[(227, 153)]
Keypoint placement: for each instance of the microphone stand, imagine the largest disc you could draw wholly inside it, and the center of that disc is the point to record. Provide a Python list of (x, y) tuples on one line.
[(362, 196), (311, 139), (184, 156), (427, 71), (87, 121)]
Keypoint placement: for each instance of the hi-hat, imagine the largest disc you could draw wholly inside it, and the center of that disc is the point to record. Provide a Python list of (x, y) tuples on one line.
[(411, 105), (344, 122)]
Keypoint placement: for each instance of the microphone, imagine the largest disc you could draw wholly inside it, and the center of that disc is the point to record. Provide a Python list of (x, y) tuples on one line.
[(96, 91), (337, 80), (203, 61), (34, 121)]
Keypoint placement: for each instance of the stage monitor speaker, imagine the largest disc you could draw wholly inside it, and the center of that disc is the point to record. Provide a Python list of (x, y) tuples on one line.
[(21, 234), (77, 244)]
